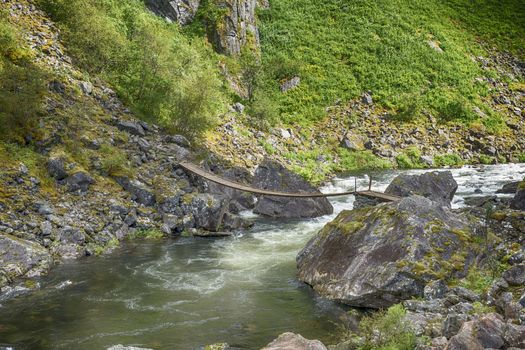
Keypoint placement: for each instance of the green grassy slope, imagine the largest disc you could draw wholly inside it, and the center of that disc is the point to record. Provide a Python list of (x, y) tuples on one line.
[(341, 48)]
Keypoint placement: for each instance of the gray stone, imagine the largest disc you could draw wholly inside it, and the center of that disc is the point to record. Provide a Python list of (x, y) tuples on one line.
[(179, 140), (19, 258), (480, 201), (56, 167), (509, 188), (46, 228), (179, 11), (453, 323), (271, 175), (139, 192), (86, 87), (438, 186), (518, 202), (435, 290), (208, 211), (465, 294), (79, 181), (238, 107), (375, 257), (486, 332), (515, 276), (71, 235), (367, 99), (291, 341), (290, 84), (130, 127)]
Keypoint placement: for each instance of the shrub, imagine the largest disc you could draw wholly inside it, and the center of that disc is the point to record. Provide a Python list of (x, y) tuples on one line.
[(114, 161), (448, 160), (163, 75), (410, 159), (360, 160), (387, 330)]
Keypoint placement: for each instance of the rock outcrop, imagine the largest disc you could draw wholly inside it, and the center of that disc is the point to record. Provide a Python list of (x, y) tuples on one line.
[(180, 11), (271, 175), (237, 28), (438, 186), (378, 256), (292, 341)]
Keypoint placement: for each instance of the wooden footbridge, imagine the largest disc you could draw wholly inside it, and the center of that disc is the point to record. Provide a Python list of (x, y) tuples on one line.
[(383, 197)]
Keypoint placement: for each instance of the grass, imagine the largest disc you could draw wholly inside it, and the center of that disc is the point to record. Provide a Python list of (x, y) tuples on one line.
[(146, 234), (450, 159), (347, 48)]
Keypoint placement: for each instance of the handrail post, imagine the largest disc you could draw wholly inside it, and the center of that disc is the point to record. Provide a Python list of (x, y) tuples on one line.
[(370, 183), (355, 185)]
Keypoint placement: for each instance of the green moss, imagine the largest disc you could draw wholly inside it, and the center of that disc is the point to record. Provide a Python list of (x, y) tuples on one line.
[(448, 160), (410, 159)]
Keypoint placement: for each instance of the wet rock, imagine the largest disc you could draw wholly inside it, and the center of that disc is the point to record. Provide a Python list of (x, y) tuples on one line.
[(208, 211), (179, 11), (290, 84), (438, 186), (509, 188), (131, 127), (56, 167), (139, 192), (122, 347), (239, 200), (480, 201), (376, 257), (79, 182), (291, 341), (271, 175), (518, 202), (19, 258)]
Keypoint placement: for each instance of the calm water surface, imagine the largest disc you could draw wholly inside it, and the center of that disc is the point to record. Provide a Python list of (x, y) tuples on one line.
[(185, 293)]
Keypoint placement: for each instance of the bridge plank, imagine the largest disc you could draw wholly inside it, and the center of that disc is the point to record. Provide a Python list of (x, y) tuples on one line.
[(235, 185)]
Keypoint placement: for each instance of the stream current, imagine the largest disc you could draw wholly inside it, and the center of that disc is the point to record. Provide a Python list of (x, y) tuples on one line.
[(185, 293)]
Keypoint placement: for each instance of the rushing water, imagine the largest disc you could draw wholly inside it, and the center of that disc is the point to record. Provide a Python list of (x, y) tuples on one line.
[(185, 293)]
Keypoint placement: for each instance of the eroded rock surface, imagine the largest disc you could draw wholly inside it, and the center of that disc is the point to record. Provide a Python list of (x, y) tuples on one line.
[(180, 11)]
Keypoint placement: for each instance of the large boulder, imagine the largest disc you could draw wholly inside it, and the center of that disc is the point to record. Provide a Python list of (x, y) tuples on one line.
[(271, 175), (239, 200), (518, 202), (487, 332), (292, 341), (438, 186), (19, 258), (378, 256), (180, 11), (140, 193), (208, 211)]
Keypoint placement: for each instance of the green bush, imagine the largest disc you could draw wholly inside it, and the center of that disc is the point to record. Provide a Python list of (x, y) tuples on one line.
[(448, 160), (410, 159), (360, 160), (387, 330), (114, 161), (163, 75)]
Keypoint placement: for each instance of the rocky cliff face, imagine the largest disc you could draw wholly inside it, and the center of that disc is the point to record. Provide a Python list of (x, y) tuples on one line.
[(180, 11), (238, 27)]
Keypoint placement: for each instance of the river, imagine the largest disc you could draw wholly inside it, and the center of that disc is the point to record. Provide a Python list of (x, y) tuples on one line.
[(183, 293)]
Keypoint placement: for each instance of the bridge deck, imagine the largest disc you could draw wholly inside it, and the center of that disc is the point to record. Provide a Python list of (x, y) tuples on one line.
[(235, 185)]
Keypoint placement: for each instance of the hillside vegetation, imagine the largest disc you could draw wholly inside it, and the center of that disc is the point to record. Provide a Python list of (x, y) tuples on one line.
[(412, 55)]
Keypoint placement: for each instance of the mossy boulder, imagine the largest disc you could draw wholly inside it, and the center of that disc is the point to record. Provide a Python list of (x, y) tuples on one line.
[(379, 256)]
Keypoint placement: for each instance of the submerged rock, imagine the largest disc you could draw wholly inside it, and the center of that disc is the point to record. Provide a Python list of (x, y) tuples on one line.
[(292, 341), (271, 175), (438, 186), (378, 256)]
